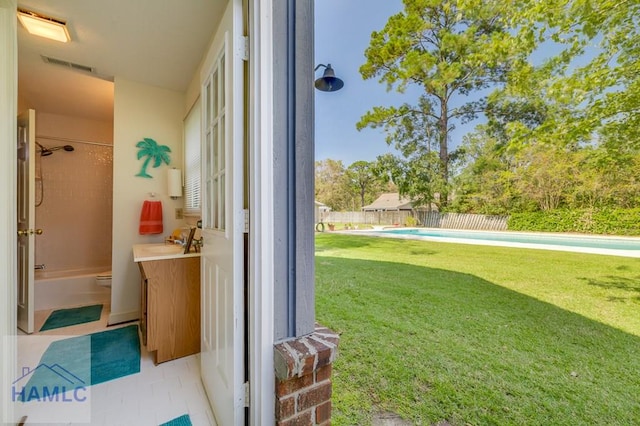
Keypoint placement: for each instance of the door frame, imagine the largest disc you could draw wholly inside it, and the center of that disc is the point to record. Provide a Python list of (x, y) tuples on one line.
[(8, 216), (261, 214)]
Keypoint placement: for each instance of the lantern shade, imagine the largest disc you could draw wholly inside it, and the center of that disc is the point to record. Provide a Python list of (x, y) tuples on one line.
[(328, 82)]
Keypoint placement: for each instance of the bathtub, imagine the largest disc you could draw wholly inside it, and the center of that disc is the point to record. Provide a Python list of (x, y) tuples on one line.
[(60, 289)]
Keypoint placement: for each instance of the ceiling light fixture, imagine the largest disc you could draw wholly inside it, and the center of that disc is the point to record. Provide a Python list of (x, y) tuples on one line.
[(44, 26)]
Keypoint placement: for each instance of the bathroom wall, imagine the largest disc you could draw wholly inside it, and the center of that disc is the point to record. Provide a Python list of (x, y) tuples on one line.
[(75, 191), (22, 103), (140, 111)]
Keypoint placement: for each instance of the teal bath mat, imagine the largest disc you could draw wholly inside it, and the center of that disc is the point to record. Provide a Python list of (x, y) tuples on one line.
[(179, 421), (66, 317), (82, 361)]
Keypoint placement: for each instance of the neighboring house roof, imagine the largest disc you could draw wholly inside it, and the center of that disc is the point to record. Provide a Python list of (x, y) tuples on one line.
[(389, 201), (321, 206)]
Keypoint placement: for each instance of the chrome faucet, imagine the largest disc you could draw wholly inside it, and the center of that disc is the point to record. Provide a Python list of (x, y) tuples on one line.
[(197, 244)]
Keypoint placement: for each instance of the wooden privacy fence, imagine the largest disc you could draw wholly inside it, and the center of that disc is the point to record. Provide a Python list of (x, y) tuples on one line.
[(462, 221), (423, 218)]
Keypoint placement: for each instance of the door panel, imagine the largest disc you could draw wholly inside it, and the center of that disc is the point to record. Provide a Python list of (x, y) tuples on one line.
[(222, 257), (26, 214)]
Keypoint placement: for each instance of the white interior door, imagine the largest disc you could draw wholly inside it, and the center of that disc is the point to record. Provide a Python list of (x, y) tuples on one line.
[(26, 218), (222, 357)]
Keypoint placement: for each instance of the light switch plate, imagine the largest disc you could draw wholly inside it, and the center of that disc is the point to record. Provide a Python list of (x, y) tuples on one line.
[(179, 213)]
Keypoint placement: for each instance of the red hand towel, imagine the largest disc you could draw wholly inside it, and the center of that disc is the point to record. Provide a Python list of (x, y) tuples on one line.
[(151, 218)]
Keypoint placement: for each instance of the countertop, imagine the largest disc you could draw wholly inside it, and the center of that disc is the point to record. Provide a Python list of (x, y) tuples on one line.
[(159, 251)]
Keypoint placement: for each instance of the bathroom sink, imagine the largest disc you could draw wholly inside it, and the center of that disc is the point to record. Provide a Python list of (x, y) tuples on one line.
[(163, 249), (144, 252)]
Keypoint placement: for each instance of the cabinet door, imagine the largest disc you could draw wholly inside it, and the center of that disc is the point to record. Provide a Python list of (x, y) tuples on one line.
[(154, 312), (173, 307), (143, 310)]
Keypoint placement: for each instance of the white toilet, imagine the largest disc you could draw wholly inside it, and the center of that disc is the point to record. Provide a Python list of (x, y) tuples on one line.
[(104, 279)]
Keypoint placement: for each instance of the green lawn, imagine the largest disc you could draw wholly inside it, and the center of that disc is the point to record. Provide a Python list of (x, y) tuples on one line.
[(479, 335)]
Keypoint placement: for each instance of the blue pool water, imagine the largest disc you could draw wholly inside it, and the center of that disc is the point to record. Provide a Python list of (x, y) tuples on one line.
[(593, 244)]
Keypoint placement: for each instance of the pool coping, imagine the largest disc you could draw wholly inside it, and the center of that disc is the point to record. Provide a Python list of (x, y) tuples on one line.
[(535, 246)]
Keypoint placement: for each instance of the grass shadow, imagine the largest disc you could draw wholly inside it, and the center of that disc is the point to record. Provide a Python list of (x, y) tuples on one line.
[(629, 288), (437, 345)]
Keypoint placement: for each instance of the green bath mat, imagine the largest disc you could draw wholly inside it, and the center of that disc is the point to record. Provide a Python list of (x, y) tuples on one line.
[(179, 421), (81, 361), (66, 317)]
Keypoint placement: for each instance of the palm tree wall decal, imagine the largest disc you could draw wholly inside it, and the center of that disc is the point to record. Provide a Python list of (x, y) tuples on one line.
[(150, 149)]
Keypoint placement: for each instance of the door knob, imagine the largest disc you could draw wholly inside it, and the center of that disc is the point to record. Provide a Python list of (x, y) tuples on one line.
[(22, 232), (39, 231)]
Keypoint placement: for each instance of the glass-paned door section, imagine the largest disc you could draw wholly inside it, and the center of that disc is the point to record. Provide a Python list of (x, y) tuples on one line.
[(214, 148)]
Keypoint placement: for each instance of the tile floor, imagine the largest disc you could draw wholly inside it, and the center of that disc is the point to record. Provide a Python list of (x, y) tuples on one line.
[(157, 394)]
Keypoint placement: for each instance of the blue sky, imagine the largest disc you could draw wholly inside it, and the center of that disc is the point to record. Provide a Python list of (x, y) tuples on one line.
[(342, 33)]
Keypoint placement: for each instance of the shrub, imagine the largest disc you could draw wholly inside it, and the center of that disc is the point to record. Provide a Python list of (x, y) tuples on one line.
[(589, 221)]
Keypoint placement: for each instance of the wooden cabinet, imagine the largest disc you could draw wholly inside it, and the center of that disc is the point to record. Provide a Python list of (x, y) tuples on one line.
[(170, 310)]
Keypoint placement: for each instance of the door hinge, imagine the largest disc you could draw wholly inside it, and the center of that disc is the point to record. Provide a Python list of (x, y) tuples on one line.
[(245, 48), (245, 213), (247, 394)]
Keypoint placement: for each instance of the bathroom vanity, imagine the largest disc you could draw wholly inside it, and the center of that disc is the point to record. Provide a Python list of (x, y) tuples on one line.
[(170, 300)]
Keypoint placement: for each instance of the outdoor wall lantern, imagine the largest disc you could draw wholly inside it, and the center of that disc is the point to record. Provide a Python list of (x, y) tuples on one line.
[(328, 82)]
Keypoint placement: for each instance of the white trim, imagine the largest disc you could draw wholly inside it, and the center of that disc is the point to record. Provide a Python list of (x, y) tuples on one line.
[(8, 262), (261, 235), (236, 190), (120, 317)]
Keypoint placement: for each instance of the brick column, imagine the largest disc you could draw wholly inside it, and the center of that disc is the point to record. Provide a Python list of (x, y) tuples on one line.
[(303, 378)]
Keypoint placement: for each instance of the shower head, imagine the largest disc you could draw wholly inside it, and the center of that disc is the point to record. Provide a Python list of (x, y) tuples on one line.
[(44, 151), (67, 148)]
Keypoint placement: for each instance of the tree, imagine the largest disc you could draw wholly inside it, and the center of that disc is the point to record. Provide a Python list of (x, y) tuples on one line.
[(450, 49), (586, 114), (415, 178), (331, 185), (546, 176), (491, 163), (606, 180), (486, 183), (349, 188), (363, 181), (593, 82)]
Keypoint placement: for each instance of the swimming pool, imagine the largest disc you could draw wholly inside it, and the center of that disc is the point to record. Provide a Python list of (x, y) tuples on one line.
[(618, 246)]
